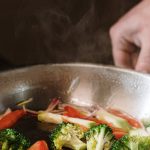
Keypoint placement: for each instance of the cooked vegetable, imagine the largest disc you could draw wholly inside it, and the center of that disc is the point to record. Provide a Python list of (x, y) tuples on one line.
[(12, 140), (137, 139), (39, 145), (67, 135), (99, 138), (73, 112), (82, 122), (24, 102), (114, 120), (148, 129), (50, 117), (103, 129), (132, 143), (11, 118), (139, 132), (54, 102), (119, 134), (7, 111), (132, 121), (56, 118), (124, 144), (146, 122)]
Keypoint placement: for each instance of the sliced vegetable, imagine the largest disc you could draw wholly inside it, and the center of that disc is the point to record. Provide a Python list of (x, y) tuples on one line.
[(11, 118), (24, 102), (116, 121), (44, 116), (132, 121), (8, 110), (53, 104), (119, 134), (72, 112), (139, 132), (56, 118), (146, 122), (148, 130), (82, 122), (39, 145)]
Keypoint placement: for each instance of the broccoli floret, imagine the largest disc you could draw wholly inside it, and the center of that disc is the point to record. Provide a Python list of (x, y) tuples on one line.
[(99, 138), (121, 144), (10, 139), (23, 143), (132, 143), (67, 135)]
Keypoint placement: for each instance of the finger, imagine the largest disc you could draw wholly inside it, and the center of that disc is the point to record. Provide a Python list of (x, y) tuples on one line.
[(143, 62), (122, 58), (135, 56), (122, 52), (125, 43)]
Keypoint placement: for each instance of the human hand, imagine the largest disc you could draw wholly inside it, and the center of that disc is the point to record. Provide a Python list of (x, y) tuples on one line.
[(130, 38)]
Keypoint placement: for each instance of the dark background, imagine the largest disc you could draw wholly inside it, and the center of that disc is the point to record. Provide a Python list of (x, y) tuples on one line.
[(57, 31)]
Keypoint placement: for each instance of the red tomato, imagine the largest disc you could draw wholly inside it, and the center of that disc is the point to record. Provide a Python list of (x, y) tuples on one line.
[(73, 112), (11, 118), (39, 145), (119, 134)]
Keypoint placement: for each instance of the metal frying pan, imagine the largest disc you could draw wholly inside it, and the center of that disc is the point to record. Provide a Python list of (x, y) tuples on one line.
[(82, 84)]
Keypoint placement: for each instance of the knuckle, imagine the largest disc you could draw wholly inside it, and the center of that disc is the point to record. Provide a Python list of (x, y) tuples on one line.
[(143, 67), (114, 31), (143, 64)]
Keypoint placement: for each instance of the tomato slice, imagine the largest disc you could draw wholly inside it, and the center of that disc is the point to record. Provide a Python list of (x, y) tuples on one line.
[(73, 112), (132, 121), (39, 145), (119, 134), (11, 118)]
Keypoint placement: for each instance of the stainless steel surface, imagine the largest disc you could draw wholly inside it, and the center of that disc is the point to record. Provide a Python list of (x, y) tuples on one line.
[(82, 84)]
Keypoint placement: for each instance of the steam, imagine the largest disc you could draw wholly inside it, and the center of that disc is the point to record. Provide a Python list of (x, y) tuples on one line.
[(56, 31)]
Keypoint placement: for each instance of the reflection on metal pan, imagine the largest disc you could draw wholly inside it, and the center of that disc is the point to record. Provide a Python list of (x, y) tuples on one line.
[(82, 84)]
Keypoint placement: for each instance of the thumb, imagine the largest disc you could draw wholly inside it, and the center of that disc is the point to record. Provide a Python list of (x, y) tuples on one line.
[(143, 62)]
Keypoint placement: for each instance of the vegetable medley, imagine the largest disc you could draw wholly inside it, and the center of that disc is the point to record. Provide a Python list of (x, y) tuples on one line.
[(78, 128)]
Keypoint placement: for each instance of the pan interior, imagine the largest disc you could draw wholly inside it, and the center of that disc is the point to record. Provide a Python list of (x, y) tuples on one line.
[(81, 84)]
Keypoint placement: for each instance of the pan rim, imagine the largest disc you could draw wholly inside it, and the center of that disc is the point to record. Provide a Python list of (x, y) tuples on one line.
[(88, 65)]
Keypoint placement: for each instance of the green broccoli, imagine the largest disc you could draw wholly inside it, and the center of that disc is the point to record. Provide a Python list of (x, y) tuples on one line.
[(99, 138), (67, 135), (132, 143), (10, 139)]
